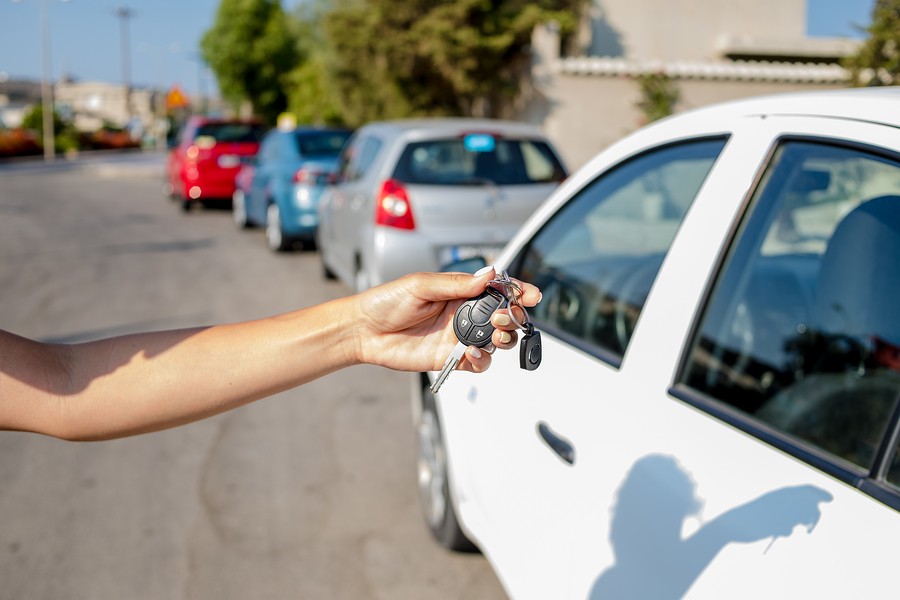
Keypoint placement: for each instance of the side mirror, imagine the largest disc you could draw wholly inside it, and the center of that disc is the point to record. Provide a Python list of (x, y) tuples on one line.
[(468, 265)]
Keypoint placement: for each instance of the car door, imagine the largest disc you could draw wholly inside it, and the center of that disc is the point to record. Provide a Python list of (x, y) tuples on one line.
[(672, 491), (522, 434), (349, 199), (262, 179)]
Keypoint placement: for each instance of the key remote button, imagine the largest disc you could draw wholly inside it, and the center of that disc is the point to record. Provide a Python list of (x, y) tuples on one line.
[(481, 335), (463, 322)]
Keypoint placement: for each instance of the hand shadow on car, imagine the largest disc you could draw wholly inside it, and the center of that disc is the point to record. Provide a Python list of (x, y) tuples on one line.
[(653, 560)]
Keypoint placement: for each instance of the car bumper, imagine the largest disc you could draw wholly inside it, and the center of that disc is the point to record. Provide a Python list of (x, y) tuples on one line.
[(300, 214)]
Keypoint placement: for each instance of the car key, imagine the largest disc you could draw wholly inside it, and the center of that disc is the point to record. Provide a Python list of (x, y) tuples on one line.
[(472, 326)]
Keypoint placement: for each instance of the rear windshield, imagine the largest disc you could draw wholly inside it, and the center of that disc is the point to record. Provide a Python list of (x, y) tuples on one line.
[(321, 143), (232, 132), (487, 159)]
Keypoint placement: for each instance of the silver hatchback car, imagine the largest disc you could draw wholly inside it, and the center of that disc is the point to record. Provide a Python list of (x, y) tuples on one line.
[(414, 195)]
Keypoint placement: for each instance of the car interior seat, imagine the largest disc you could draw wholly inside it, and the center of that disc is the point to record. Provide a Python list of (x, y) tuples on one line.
[(851, 376)]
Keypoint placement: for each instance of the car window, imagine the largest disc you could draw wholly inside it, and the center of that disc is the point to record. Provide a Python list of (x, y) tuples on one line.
[(313, 144), (460, 161), (357, 157), (268, 151), (231, 132), (802, 330), (596, 259)]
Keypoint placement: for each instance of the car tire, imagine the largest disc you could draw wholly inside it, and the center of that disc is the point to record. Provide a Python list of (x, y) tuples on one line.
[(186, 205), (239, 211), (277, 241), (361, 280), (434, 482)]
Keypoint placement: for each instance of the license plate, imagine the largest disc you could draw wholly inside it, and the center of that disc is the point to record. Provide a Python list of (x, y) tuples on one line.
[(229, 161), (456, 253)]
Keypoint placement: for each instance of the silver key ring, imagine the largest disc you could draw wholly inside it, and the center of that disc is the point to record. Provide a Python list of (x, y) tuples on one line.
[(513, 292)]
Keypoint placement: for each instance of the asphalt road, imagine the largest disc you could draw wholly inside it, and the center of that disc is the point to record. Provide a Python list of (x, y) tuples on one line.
[(308, 494)]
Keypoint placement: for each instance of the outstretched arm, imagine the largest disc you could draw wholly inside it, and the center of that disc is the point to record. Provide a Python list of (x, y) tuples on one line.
[(149, 381)]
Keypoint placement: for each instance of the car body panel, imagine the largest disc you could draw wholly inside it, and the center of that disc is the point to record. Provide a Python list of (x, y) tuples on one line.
[(663, 500)]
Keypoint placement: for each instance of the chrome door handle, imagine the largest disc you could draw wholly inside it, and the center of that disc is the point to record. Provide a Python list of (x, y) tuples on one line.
[(562, 447)]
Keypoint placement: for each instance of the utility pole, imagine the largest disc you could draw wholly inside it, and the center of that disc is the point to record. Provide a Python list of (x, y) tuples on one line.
[(46, 87), (124, 13)]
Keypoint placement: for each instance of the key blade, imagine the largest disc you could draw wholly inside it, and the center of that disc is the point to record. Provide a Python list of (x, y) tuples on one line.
[(449, 366)]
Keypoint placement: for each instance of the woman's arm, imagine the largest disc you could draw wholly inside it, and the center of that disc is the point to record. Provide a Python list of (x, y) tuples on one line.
[(149, 381)]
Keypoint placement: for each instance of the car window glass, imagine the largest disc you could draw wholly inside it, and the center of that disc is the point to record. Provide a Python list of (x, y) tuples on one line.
[(231, 132), (269, 149), (802, 330), (356, 157), (313, 144), (502, 161), (596, 259)]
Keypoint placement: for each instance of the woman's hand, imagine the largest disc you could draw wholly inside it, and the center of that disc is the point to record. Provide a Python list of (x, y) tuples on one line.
[(407, 324)]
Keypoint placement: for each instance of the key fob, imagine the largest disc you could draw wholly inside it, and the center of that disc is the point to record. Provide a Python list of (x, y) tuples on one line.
[(472, 322), (530, 349)]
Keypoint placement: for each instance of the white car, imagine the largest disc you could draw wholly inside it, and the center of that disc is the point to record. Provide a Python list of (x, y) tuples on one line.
[(414, 194), (716, 414)]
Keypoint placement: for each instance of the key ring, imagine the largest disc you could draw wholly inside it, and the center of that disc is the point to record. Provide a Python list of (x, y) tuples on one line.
[(513, 292)]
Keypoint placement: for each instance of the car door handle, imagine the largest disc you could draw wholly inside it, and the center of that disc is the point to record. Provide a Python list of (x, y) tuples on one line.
[(562, 447)]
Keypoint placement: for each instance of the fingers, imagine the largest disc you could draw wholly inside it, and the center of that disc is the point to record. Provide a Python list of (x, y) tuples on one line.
[(476, 360)]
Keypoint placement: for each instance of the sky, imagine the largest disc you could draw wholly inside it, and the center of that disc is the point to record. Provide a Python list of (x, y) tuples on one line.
[(85, 38)]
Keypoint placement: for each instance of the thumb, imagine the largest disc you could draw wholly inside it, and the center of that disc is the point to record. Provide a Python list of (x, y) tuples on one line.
[(439, 287)]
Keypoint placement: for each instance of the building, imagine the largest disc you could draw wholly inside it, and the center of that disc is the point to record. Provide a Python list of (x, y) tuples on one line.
[(710, 51)]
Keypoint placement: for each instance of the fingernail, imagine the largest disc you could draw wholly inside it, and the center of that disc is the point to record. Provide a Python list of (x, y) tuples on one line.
[(540, 297), (505, 337), (483, 270), (501, 320), (474, 352)]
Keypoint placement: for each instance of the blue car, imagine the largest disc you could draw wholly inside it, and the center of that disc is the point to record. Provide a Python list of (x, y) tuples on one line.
[(291, 170)]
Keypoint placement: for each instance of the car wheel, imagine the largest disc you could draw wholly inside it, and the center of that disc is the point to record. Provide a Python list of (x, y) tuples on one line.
[(360, 277), (326, 272), (278, 242), (239, 211), (434, 482), (186, 205)]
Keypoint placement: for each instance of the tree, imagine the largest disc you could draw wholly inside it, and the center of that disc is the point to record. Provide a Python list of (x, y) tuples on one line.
[(877, 62), (421, 57), (251, 50)]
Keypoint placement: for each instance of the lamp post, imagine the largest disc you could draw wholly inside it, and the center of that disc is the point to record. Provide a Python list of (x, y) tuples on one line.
[(124, 13), (46, 83)]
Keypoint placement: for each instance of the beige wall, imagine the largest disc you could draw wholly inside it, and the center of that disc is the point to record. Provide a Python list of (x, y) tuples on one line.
[(674, 30)]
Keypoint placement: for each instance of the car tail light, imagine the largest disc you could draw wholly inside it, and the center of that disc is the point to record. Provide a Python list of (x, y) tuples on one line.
[(192, 153), (308, 175), (392, 207)]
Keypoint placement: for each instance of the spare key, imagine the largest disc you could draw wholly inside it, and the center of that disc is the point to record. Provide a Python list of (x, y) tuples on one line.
[(472, 326)]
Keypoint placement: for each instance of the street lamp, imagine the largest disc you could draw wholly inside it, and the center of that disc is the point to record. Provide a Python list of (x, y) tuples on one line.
[(46, 84)]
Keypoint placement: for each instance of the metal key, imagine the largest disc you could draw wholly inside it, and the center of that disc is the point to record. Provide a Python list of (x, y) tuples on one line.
[(472, 326)]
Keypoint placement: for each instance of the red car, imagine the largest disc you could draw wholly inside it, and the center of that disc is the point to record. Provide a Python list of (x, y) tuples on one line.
[(207, 156)]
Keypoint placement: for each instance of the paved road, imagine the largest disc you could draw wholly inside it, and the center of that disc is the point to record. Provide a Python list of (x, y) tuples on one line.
[(309, 494)]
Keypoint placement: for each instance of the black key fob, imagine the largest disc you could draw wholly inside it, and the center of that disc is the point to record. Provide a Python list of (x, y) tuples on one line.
[(472, 322), (530, 349)]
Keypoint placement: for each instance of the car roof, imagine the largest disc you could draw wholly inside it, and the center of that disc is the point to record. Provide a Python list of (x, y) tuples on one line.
[(874, 105), (453, 125)]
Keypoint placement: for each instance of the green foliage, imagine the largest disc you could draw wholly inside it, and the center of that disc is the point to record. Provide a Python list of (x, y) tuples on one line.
[(421, 57), (33, 119), (251, 48), (877, 62), (659, 95)]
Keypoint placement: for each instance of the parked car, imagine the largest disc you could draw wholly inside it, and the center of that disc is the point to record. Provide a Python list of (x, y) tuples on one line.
[(205, 159), (292, 169), (413, 194), (716, 414)]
